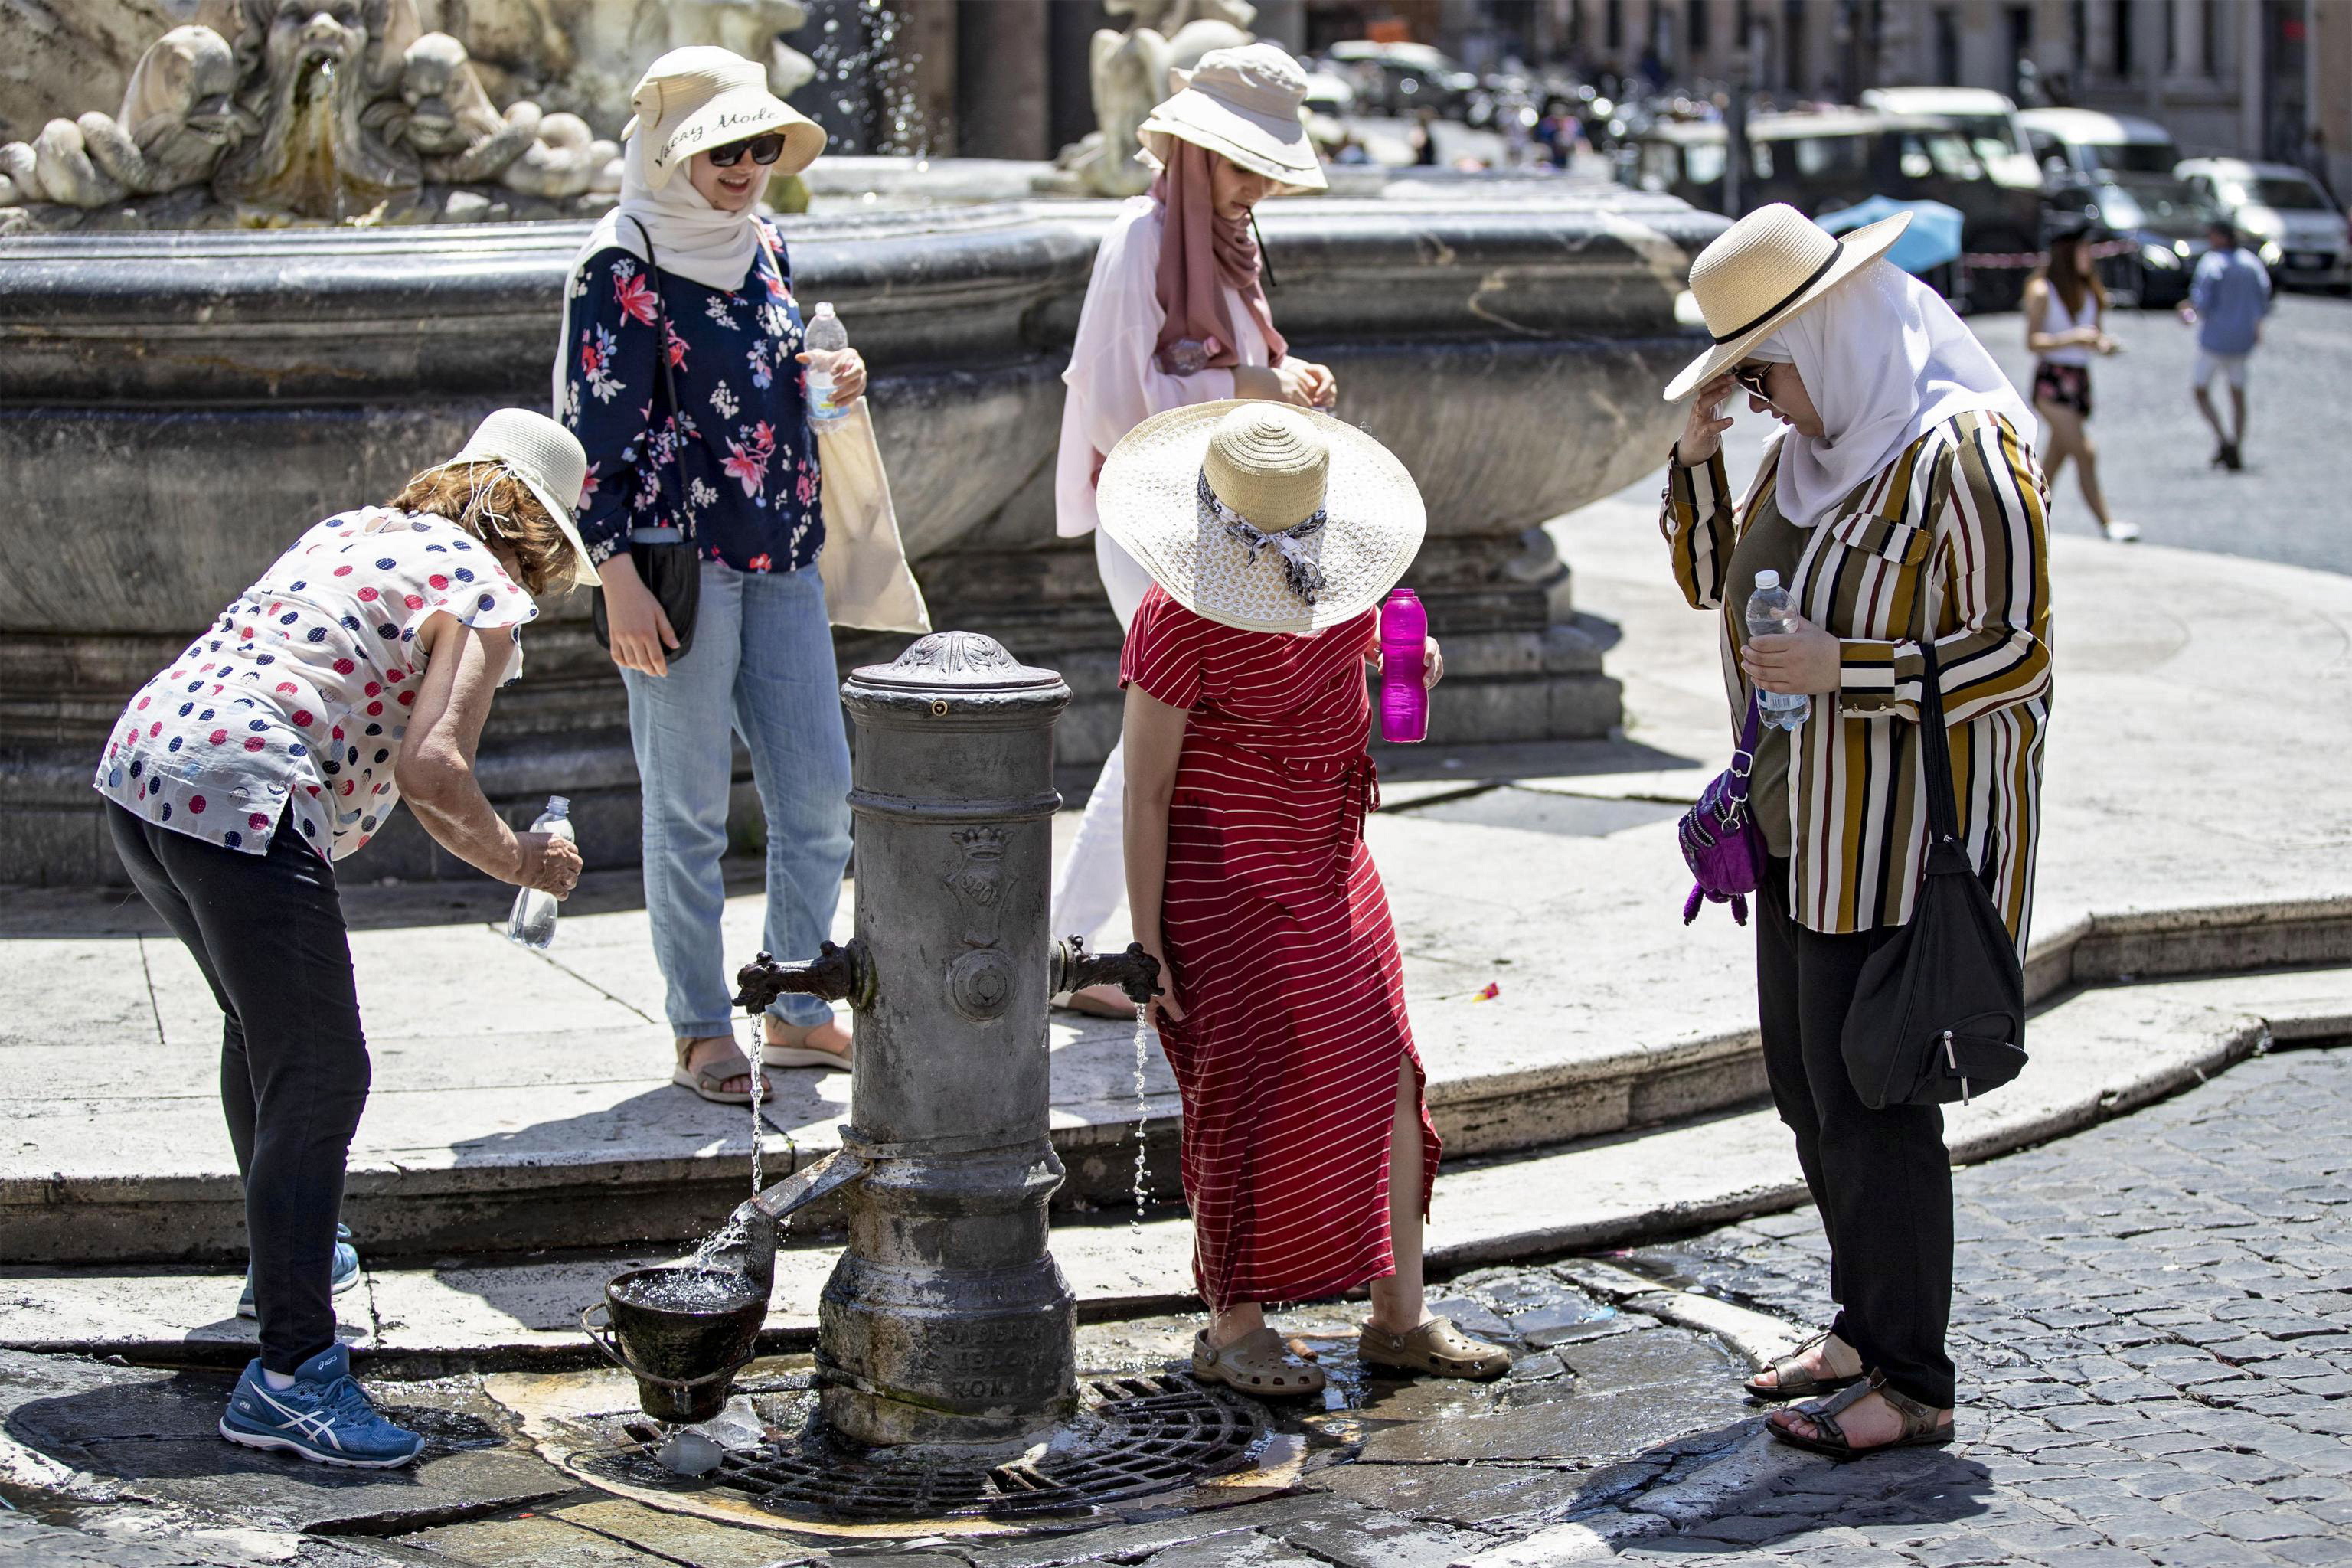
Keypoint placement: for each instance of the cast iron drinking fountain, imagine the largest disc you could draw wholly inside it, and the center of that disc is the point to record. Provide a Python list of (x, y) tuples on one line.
[(945, 1376)]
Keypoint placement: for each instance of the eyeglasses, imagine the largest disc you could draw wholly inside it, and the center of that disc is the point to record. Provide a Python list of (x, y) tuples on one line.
[(1750, 376), (764, 149)]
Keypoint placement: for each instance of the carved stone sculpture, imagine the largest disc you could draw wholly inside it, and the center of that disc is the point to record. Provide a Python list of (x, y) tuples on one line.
[(177, 118), (1131, 71), (309, 76)]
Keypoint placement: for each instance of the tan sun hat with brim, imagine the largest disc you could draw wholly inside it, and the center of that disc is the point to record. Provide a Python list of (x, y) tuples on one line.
[(1246, 105), (548, 460), (701, 97), (1762, 270), (1263, 516)]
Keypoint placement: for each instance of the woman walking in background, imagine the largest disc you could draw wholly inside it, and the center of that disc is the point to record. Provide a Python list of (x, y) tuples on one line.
[(1900, 502), (1270, 533), (2066, 324), (356, 671), (677, 370), (1176, 313)]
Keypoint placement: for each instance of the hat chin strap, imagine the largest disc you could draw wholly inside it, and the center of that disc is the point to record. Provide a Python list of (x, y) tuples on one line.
[(1289, 545)]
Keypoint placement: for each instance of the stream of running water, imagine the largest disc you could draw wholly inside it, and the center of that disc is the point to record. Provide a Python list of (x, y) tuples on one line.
[(1142, 1107)]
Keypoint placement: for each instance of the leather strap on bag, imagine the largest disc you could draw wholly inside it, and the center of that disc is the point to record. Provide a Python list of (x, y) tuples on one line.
[(678, 414), (1936, 751)]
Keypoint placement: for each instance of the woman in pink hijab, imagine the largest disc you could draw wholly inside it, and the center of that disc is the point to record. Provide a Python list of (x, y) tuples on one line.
[(1176, 313)]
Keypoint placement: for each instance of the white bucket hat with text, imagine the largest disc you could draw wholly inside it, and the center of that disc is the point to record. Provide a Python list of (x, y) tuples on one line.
[(701, 97)]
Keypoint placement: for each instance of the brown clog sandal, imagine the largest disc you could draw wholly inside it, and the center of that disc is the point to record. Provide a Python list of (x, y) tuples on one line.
[(706, 1080), (1791, 1381), (1259, 1363), (1437, 1348), (1921, 1429)]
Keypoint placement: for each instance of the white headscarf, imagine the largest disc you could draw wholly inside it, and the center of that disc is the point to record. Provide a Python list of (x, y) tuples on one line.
[(1885, 361), (692, 238)]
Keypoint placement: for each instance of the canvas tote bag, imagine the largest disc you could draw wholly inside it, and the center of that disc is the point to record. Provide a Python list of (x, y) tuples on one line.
[(867, 584)]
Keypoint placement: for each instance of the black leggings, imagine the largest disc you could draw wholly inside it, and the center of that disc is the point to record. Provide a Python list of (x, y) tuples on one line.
[(1881, 1179), (267, 931)]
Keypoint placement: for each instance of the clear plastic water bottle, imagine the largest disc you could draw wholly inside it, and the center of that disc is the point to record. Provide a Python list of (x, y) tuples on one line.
[(826, 337), (1404, 665), (532, 923), (1770, 613)]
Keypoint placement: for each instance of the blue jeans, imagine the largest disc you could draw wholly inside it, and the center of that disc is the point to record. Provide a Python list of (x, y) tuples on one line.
[(761, 667)]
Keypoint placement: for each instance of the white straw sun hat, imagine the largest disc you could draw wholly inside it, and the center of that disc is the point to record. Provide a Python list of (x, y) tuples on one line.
[(546, 457), (703, 97), (1263, 516), (1762, 270), (1246, 105)]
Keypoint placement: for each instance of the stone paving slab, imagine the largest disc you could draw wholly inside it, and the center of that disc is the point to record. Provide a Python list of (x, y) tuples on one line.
[(2099, 1054)]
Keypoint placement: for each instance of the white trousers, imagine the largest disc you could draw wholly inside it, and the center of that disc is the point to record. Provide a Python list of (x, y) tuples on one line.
[(1093, 882)]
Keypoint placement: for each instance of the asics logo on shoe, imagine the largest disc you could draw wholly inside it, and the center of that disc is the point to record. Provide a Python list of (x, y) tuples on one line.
[(317, 1425)]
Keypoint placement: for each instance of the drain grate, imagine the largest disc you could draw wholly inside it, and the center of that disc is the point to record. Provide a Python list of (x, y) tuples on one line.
[(1134, 1437)]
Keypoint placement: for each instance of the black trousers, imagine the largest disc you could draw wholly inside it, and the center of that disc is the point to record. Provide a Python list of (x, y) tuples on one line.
[(267, 931), (1882, 1179)]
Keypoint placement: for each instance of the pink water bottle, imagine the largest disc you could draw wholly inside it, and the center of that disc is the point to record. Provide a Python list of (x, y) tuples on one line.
[(1405, 664)]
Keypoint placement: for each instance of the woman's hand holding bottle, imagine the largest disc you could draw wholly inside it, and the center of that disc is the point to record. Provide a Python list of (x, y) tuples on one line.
[(547, 861), (638, 631), (848, 374)]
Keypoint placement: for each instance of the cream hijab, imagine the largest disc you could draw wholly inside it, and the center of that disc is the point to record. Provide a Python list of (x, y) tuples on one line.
[(1886, 361), (693, 238)]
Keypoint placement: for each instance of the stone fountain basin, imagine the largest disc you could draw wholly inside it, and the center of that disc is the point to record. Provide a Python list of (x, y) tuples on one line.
[(174, 407)]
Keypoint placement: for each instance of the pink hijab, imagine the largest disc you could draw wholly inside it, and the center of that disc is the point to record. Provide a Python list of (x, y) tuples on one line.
[(1201, 256)]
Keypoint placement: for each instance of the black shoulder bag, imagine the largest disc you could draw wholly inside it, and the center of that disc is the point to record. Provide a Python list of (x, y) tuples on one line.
[(672, 569), (1939, 1012)]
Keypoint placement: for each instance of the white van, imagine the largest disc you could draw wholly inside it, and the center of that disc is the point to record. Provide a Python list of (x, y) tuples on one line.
[(1988, 119)]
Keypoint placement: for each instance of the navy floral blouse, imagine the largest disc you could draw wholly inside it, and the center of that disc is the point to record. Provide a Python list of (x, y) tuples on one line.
[(741, 448)]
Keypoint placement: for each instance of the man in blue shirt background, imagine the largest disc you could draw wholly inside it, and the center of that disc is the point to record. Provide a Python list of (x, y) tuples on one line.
[(2228, 298)]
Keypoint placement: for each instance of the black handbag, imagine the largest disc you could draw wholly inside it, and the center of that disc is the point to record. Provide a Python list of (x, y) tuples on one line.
[(672, 569), (1939, 1012)]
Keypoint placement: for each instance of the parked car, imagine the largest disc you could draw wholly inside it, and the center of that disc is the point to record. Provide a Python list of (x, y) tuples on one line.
[(1398, 78), (1831, 159), (1988, 119), (2116, 170), (2289, 218)]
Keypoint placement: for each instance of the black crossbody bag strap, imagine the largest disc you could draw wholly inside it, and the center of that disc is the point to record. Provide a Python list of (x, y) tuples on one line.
[(1936, 751), (671, 571), (669, 377)]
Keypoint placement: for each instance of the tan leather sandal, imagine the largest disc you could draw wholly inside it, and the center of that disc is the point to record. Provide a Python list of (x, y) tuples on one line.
[(1259, 1363), (705, 1080), (785, 1044), (1922, 1427), (1791, 1381), (1437, 1348)]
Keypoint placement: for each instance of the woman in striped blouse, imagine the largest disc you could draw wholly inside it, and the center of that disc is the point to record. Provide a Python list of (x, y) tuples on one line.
[(1900, 501)]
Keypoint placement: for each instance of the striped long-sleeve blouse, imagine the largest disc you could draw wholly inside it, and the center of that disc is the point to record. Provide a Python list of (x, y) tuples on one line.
[(1950, 535)]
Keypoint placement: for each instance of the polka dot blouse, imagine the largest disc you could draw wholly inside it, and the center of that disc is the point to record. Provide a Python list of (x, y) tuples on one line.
[(300, 691)]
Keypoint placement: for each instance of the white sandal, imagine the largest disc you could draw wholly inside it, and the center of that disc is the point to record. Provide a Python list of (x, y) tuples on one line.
[(706, 1080), (792, 1052)]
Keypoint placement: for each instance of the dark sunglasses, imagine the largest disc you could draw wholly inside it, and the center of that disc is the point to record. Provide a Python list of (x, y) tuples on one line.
[(1751, 377), (764, 149)]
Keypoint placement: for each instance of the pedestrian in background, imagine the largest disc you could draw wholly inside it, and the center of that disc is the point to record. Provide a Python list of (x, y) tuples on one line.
[(2066, 324), (1270, 535), (356, 671), (1176, 313), (679, 367), (2229, 295), (1899, 502)]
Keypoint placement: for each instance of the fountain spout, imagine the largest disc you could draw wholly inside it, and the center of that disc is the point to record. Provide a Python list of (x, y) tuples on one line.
[(1135, 971), (836, 974), (759, 1219)]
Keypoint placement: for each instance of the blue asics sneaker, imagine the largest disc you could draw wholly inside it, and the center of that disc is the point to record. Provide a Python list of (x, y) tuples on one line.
[(347, 1272), (325, 1416)]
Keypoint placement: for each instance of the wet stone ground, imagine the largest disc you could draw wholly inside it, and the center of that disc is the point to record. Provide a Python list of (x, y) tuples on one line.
[(2153, 1321)]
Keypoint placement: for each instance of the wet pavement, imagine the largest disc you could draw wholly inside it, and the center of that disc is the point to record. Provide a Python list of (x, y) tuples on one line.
[(2154, 1322)]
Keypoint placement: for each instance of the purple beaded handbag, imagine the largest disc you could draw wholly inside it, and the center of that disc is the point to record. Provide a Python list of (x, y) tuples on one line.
[(1719, 837)]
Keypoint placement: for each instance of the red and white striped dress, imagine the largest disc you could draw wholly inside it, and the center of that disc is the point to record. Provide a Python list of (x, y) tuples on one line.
[(1283, 955)]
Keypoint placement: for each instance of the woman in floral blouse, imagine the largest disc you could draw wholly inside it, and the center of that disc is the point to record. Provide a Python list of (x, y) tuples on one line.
[(685, 267)]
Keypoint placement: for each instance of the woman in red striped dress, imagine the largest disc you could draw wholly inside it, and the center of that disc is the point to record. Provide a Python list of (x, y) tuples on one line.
[(1269, 533)]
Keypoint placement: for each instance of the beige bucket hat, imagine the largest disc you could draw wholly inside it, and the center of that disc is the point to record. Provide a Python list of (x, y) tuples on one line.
[(702, 97), (546, 457), (1762, 270), (1262, 516), (1246, 104)]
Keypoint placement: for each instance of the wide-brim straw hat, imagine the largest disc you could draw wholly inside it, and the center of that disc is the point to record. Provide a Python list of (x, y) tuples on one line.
[(701, 97), (1762, 270), (1247, 105), (1172, 488), (548, 460)]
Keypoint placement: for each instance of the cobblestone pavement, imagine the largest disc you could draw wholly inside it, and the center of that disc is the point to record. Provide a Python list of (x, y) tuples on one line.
[(2151, 1323)]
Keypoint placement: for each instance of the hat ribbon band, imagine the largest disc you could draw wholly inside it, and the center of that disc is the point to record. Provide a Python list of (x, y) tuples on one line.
[(1791, 298), (1289, 545)]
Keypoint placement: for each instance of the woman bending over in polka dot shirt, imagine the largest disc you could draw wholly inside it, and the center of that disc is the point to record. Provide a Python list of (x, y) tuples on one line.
[(357, 670)]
